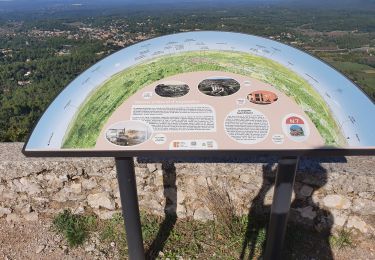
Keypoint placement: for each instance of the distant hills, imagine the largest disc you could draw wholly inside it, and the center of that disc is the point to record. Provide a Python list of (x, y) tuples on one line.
[(25, 5), (16, 9), (337, 4)]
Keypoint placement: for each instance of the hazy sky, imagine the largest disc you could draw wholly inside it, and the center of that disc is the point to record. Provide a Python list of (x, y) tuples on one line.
[(322, 2)]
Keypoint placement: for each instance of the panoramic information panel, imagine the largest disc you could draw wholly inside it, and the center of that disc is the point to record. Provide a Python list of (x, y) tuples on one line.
[(207, 91)]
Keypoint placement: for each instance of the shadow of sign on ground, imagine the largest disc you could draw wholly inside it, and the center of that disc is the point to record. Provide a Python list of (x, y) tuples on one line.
[(302, 241), (166, 227)]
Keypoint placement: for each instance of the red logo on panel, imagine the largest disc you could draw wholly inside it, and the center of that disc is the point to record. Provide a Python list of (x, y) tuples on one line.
[(295, 127), (294, 120)]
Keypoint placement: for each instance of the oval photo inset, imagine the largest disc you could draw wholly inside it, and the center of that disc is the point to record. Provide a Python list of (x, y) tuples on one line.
[(262, 97), (219, 86), (128, 133), (172, 89)]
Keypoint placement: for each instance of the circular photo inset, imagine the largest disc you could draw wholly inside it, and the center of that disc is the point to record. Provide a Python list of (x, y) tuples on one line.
[(296, 127), (262, 97), (219, 86), (172, 89), (128, 133)]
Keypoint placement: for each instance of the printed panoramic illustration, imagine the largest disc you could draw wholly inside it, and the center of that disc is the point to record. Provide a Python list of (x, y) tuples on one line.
[(207, 91)]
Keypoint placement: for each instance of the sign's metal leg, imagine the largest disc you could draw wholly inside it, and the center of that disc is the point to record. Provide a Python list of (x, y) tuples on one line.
[(130, 208), (286, 173)]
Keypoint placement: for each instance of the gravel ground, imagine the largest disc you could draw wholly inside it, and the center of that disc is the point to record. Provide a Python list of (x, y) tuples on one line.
[(26, 240)]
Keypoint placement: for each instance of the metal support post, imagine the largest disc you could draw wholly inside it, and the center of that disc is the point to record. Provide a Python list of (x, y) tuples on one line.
[(130, 208), (286, 173)]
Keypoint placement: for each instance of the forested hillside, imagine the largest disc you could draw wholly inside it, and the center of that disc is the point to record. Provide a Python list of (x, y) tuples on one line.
[(38, 57)]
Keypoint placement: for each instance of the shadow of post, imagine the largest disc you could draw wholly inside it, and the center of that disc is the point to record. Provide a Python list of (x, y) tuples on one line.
[(170, 211), (299, 244), (254, 226)]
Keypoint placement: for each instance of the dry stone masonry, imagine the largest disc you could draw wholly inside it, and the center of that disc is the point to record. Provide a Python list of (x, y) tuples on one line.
[(336, 193)]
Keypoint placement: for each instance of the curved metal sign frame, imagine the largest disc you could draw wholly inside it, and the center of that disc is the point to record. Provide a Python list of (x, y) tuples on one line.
[(207, 93)]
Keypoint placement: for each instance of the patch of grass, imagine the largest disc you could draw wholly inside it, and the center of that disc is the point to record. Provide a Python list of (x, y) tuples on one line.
[(261, 239), (113, 231), (109, 231), (150, 227), (192, 239), (342, 239), (75, 228)]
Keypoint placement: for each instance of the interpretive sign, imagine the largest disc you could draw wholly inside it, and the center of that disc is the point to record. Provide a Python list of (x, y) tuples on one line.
[(207, 91)]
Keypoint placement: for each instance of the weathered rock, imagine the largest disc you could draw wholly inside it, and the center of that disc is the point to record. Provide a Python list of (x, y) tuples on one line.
[(317, 199), (63, 178), (339, 218), (269, 196), (79, 210), (180, 196), (53, 182), (30, 187), (105, 214), (13, 218), (102, 199), (62, 195), (106, 186), (307, 212), (4, 211), (336, 202), (152, 205), (364, 206), (32, 216), (181, 211), (8, 195), (151, 167), (89, 184), (366, 195), (247, 178), (203, 214), (306, 191), (26, 209), (90, 248), (16, 186), (76, 188), (358, 223), (40, 248)]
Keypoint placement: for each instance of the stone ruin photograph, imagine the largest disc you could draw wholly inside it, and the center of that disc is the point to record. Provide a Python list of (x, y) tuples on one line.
[(172, 90), (219, 86)]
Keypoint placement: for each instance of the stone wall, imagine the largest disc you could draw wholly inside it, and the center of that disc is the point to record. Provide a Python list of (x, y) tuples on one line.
[(330, 193)]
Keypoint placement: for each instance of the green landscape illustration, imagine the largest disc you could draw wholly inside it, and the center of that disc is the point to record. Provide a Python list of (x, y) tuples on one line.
[(106, 98)]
